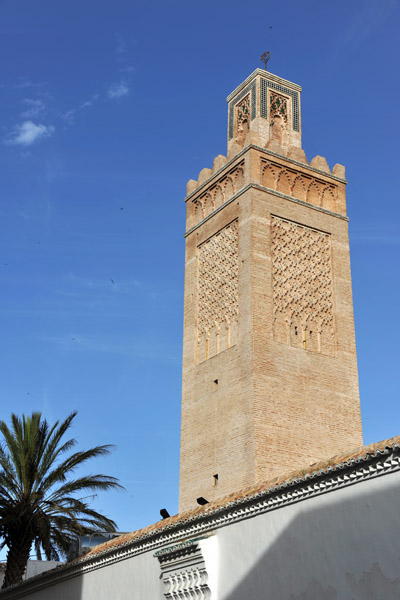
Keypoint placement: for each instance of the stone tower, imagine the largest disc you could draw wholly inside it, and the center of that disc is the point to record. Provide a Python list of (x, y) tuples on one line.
[(269, 359)]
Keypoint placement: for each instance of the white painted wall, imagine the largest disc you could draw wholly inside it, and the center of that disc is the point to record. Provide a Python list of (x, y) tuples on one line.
[(343, 545), (35, 567), (135, 578)]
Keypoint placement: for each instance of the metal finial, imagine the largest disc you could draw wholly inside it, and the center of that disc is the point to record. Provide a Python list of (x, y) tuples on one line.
[(265, 58)]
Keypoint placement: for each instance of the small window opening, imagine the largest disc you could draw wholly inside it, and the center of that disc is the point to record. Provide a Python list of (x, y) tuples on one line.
[(215, 384), (295, 331), (215, 479)]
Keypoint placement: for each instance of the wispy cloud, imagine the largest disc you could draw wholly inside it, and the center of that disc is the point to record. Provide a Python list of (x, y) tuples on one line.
[(34, 107), (69, 116), (28, 133), (38, 106), (21, 85), (121, 54), (121, 45), (118, 90), (90, 102), (26, 83)]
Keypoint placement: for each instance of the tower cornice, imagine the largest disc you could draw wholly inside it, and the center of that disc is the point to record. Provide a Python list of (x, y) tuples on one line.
[(266, 75)]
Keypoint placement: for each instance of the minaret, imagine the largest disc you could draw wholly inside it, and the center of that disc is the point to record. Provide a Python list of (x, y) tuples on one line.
[(270, 379)]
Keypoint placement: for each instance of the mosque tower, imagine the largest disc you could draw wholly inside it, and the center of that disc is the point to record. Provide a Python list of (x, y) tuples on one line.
[(270, 379)]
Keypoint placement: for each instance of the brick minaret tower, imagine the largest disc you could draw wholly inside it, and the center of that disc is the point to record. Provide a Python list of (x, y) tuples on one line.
[(269, 358)]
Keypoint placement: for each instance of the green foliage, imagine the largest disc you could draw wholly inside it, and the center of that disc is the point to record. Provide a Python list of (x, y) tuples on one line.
[(39, 495)]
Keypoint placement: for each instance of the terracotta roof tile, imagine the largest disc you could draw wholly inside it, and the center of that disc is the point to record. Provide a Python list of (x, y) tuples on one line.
[(314, 470)]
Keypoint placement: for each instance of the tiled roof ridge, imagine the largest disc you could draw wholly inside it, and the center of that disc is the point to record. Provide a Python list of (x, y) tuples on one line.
[(315, 470)]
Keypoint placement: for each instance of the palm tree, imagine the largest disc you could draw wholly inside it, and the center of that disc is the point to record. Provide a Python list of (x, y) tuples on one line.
[(39, 496)]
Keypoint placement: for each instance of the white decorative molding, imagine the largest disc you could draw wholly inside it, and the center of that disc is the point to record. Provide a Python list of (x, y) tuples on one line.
[(184, 572), (308, 485)]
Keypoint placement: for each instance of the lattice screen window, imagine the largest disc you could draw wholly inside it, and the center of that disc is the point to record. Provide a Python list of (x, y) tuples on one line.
[(302, 286), (218, 292)]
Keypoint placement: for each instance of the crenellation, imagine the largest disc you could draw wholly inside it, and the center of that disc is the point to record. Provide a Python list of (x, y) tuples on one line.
[(298, 154), (320, 163), (219, 162), (287, 178), (339, 171), (204, 175), (215, 194), (191, 186)]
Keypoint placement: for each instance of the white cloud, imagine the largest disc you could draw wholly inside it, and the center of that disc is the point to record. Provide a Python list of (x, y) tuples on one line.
[(34, 108), (117, 90), (27, 133)]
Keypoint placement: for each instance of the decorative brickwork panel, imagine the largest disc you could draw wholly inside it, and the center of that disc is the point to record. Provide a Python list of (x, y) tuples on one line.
[(218, 291), (303, 187), (220, 192), (302, 287)]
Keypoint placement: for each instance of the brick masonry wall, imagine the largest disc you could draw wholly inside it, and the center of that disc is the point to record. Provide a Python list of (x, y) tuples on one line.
[(217, 419), (306, 404), (276, 407)]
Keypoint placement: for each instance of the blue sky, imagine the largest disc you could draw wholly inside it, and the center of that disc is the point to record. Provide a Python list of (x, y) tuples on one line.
[(108, 108)]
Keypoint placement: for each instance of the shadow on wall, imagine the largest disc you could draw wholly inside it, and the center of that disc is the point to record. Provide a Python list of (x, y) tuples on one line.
[(343, 545), (64, 590)]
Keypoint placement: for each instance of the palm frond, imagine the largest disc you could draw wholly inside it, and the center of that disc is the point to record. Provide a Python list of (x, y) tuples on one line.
[(40, 503)]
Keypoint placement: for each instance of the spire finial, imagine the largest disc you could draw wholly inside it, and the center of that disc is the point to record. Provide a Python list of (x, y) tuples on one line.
[(265, 58)]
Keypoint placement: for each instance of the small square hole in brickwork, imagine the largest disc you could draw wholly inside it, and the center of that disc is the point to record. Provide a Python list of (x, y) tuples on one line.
[(215, 384), (215, 479)]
